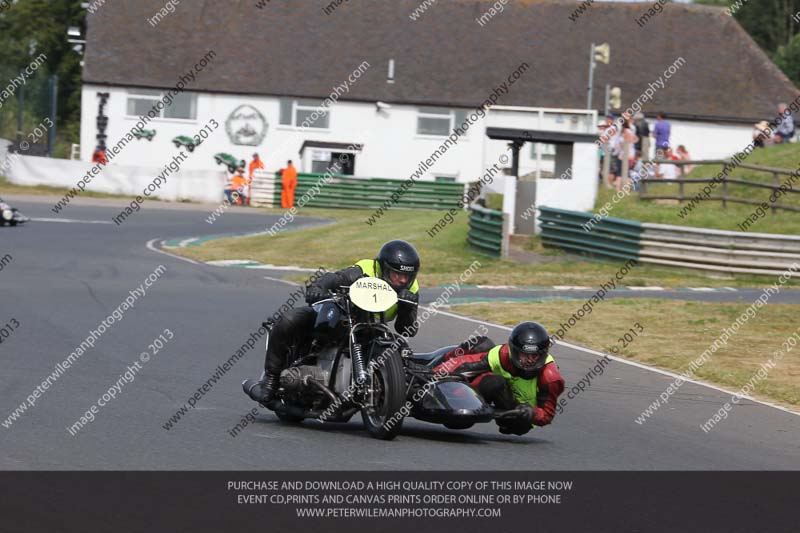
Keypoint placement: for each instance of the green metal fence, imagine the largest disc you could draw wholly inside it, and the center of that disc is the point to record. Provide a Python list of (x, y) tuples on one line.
[(348, 192), (731, 252), (488, 231), (610, 238)]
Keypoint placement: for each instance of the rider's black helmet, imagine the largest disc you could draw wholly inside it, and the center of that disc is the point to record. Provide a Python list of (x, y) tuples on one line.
[(398, 256), (528, 338)]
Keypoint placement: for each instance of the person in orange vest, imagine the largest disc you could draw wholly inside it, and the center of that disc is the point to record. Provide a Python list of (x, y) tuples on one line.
[(254, 164), (289, 184), (238, 185)]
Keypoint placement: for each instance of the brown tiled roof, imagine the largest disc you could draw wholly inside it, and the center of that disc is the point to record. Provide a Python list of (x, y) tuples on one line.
[(445, 57)]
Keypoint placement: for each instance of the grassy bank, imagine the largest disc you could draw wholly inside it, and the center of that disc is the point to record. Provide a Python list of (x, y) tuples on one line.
[(674, 334), (711, 214), (444, 257)]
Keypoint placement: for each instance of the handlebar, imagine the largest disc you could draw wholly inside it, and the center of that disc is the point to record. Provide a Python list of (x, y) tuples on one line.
[(337, 294), (337, 297)]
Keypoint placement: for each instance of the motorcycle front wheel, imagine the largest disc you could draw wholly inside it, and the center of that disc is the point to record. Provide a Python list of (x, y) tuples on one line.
[(383, 418)]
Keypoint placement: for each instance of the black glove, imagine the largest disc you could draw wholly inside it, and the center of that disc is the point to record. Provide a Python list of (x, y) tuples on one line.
[(315, 293), (406, 294), (521, 412), (516, 421)]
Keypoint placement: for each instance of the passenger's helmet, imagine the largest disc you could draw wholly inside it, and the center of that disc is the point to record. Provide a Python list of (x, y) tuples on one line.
[(399, 263), (527, 348)]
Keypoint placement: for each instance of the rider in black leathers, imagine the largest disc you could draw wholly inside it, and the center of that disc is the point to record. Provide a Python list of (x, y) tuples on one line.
[(397, 263)]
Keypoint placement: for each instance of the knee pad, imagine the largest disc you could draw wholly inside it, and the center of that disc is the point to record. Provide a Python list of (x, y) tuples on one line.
[(496, 389)]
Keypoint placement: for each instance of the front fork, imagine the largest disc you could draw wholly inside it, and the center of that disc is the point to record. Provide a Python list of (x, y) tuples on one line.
[(364, 381)]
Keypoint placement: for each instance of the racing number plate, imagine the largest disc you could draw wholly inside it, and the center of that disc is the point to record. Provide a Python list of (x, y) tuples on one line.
[(372, 294)]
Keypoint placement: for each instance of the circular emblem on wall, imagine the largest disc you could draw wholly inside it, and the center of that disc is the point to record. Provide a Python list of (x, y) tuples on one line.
[(246, 126)]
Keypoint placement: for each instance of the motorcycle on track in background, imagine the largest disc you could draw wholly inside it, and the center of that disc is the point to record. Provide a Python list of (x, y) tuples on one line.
[(10, 216)]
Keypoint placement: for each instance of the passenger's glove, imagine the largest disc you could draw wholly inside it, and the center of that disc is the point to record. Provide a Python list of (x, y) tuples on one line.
[(516, 421), (315, 293), (521, 412), (406, 294)]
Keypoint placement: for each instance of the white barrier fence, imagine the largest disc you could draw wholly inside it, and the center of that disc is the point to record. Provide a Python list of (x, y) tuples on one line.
[(262, 189), (196, 185)]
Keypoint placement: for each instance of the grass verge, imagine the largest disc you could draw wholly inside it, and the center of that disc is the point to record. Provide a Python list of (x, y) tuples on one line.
[(710, 213), (444, 257), (675, 333)]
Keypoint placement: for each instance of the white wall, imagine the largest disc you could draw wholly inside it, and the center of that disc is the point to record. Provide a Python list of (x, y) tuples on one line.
[(576, 194), (392, 149), (708, 140), (198, 185)]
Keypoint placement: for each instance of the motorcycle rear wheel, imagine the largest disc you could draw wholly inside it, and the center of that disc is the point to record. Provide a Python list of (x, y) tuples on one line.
[(383, 420)]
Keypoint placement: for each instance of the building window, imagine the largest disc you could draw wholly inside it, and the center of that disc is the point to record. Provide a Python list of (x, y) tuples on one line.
[(547, 151), (304, 114), (142, 101), (184, 105), (439, 121)]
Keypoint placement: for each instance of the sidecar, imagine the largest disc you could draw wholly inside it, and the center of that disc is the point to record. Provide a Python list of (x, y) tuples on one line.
[(442, 398)]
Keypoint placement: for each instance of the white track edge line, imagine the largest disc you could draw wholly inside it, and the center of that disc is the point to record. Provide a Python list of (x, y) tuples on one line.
[(629, 362), (286, 281), (159, 250)]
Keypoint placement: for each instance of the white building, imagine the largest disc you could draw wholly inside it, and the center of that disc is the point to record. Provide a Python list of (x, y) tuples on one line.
[(384, 142), (401, 86)]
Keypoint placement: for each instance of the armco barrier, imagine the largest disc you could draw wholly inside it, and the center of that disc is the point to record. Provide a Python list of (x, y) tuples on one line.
[(339, 191), (662, 244), (488, 231)]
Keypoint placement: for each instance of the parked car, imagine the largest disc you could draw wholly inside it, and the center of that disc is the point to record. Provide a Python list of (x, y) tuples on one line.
[(188, 142), (144, 134), (229, 161)]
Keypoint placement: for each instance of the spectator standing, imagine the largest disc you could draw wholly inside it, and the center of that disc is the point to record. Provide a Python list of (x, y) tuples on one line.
[(627, 151), (662, 132), (643, 131), (614, 151), (604, 133), (784, 130), (288, 185)]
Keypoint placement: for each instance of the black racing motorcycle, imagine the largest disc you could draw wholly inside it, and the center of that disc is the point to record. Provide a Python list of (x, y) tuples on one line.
[(10, 216), (357, 363), (354, 363)]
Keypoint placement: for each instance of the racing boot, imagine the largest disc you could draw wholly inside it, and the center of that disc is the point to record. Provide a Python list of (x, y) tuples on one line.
[(261, 391)]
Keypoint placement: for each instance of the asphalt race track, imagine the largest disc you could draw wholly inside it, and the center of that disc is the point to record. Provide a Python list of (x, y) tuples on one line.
[(65, 278)]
